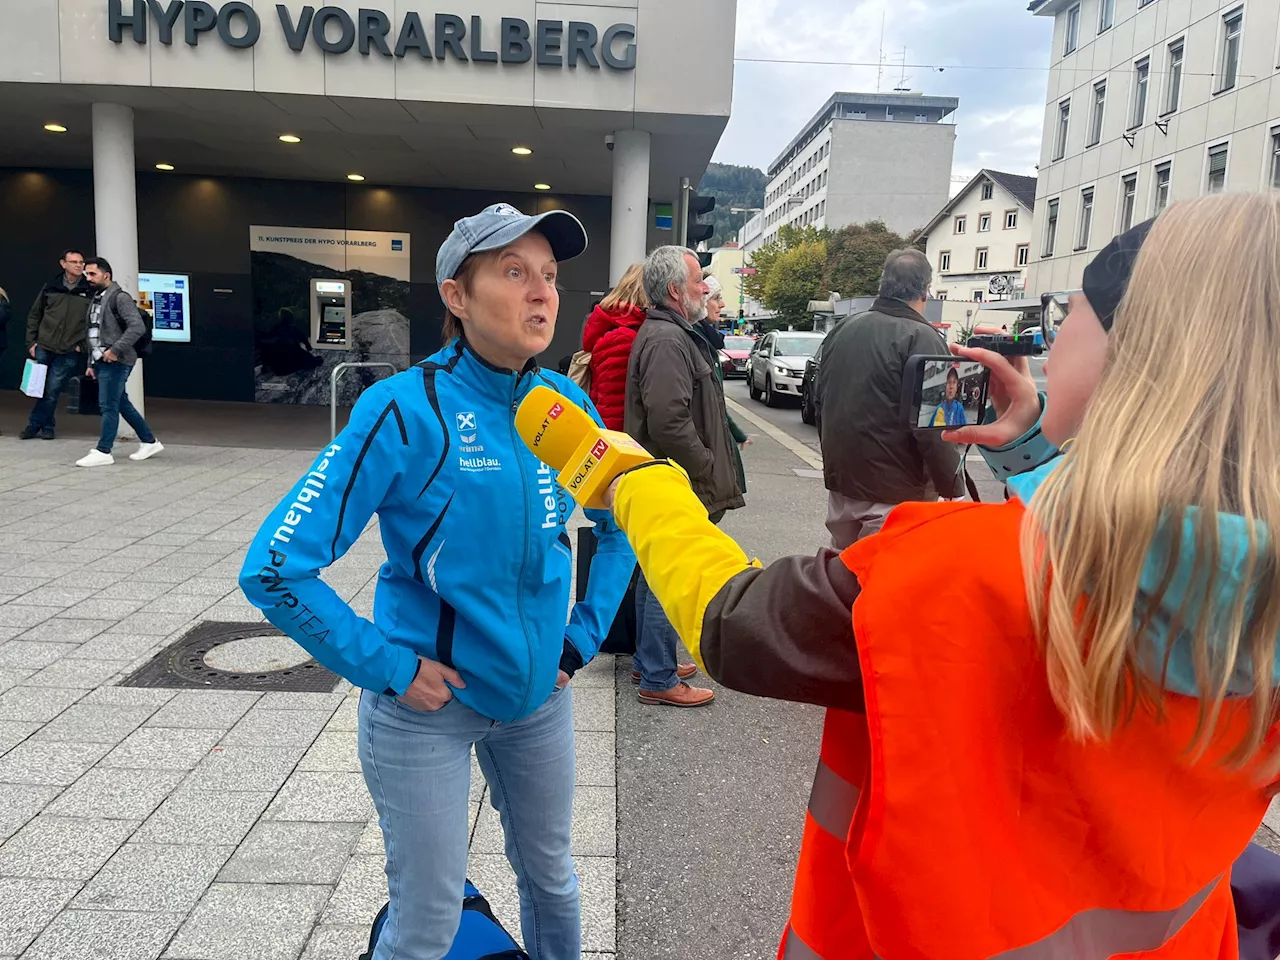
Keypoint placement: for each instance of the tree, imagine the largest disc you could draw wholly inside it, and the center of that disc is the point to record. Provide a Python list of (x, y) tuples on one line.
[(855, 258), (764, 258), (794, 280)]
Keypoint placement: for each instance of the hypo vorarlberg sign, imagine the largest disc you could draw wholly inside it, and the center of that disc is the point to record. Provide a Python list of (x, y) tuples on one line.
[(549, 43)]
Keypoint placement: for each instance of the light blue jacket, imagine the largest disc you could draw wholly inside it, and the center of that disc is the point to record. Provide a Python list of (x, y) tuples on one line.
[(478, 564)]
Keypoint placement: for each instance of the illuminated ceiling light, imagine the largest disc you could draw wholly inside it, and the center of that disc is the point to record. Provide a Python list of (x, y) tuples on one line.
[(522, 151), (55, 128), (355, 176), (542, 186), (166, 167), (289, 138)]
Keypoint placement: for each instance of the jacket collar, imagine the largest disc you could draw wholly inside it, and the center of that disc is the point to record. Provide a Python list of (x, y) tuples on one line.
[(666, 313), (101, 294), (59, 285), (897, 308), (460, 358)]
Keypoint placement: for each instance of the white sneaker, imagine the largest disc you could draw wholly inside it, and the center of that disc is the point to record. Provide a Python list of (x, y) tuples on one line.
[(96, 458), (146, 450)]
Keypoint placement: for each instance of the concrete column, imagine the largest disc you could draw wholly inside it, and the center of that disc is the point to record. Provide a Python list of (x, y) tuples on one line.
[(115, 211), (630, 201)]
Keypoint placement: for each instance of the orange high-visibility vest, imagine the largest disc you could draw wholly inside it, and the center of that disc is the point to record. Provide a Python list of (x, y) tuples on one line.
[(958, 820)]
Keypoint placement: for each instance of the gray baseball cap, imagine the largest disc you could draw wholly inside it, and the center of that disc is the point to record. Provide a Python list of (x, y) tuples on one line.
[(501, 224)]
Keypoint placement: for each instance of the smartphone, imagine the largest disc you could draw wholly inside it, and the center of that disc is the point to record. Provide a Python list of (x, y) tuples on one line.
[(942, 392)]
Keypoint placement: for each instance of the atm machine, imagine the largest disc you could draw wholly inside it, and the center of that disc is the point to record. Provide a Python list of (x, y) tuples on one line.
[(330, 314)]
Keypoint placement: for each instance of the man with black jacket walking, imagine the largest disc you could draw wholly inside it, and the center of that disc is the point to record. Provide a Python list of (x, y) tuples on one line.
[(55, 337), (675, 408), (871, 460)]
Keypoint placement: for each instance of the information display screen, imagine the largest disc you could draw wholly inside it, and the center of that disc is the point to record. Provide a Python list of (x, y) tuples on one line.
[(168, 297)]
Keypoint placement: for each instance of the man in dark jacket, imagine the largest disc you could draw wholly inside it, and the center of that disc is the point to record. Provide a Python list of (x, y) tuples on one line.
[(55, 337), (871, 460), (114, 326), (675, 407)]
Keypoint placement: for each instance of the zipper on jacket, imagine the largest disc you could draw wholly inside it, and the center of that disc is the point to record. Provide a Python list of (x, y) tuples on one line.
[(517, 444)]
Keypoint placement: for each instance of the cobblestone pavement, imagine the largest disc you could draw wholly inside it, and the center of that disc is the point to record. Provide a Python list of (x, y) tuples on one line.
[(197, 824)]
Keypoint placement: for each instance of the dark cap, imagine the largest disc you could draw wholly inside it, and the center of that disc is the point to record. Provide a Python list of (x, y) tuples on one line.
[(1106, 278)]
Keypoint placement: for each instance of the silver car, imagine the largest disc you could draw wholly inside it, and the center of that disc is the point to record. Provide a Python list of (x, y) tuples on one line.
[(776, 367)]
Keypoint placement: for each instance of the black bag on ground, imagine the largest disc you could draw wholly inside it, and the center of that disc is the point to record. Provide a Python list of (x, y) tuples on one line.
[(480, 936), (622, 634), (82, 396)]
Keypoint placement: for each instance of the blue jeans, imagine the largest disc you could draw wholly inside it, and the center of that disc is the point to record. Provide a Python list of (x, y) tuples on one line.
[(115, 403), (418, 769), (62, 367), (656, 642)]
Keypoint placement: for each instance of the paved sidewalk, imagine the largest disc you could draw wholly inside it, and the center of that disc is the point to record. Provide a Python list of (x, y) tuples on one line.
[(200, 825)]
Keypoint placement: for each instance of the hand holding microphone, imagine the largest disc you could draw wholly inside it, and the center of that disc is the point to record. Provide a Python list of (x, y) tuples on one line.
[(562, 435)]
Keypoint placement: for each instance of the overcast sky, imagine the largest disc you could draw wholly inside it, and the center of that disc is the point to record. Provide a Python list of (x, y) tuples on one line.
[(999, 121)]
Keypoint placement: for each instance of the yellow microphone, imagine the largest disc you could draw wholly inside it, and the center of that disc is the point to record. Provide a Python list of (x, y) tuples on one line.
[(562, 435)]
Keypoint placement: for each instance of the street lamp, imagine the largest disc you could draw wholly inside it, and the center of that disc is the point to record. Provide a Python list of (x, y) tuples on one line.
[(742, 297)]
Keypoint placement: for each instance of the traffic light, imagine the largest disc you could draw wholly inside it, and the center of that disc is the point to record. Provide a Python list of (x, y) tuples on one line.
[(699, 206)]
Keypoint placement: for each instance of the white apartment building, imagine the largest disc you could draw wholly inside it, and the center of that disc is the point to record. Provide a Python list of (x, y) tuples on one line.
[(864, 156), (1149, 101), (980, 242)]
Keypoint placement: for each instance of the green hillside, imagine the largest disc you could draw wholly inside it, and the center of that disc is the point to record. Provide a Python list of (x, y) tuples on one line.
[(732, 186)]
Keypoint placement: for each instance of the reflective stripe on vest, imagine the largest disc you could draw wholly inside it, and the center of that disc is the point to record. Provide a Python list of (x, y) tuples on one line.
[(832, 802), (1099, 934)]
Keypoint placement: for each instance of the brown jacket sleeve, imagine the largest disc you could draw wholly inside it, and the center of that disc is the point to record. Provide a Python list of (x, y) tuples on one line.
[(666, 390), (786, 631)]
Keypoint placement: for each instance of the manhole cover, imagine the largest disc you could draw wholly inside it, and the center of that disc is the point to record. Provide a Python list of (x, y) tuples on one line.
[(233, 656)]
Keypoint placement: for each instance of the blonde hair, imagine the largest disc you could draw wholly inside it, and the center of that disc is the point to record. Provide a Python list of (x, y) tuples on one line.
[(1181, 427), (630, 290), (3, 295)]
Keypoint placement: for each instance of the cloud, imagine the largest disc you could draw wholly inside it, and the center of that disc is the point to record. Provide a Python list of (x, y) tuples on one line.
[(1001, 103)]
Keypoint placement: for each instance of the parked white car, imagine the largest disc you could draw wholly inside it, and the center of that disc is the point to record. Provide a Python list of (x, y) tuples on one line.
[(776, 367)]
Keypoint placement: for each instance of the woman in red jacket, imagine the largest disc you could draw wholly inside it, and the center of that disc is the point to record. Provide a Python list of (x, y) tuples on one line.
[(607, 336)]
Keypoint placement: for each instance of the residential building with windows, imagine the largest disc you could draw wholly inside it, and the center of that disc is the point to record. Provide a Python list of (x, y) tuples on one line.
[(980, 242), (1149, 102), (864, 156)]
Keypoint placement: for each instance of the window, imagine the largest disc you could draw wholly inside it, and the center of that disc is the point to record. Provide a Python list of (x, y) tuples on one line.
[(822, 209), (942, 294), (1128, 200), (1051, 229), (1011, 219), (1141, 80), (1086, 218), (1164, 174), (977, 296), (1217, 168), (980, 259), (959, 228), (944, 261), (988, 190), (1024, 254), (1106, 15), (1275, 158), (1064, 123), (1177, 53), (1099, 106), (984, 223), (1073, 30), (1232, 28), (922, 118)]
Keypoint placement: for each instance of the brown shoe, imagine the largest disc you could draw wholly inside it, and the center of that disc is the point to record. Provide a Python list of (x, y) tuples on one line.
[(681, 695), (683, 672)]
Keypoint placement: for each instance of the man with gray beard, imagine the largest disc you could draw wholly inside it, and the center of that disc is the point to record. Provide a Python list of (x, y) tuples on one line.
[(675, 408)]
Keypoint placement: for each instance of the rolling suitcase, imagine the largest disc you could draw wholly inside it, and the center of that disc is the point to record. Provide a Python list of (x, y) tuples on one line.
[(622, 634), (82, 396), (480, 935)]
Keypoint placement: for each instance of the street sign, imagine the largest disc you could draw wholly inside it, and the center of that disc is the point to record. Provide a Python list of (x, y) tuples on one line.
[(663, 216), (746, 271)]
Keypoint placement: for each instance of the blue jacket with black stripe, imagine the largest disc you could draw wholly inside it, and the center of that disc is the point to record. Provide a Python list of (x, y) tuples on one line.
[(478, 562)]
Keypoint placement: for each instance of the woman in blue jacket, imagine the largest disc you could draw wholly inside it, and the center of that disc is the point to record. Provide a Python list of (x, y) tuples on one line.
[(468, 647)]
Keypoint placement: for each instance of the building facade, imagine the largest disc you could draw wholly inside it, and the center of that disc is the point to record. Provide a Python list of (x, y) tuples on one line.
[(980, 242), (1149, 102), (864, 156), (227, 158)]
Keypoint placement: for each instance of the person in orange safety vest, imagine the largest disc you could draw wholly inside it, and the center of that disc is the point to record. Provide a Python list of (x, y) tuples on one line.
[(1057, 753)]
